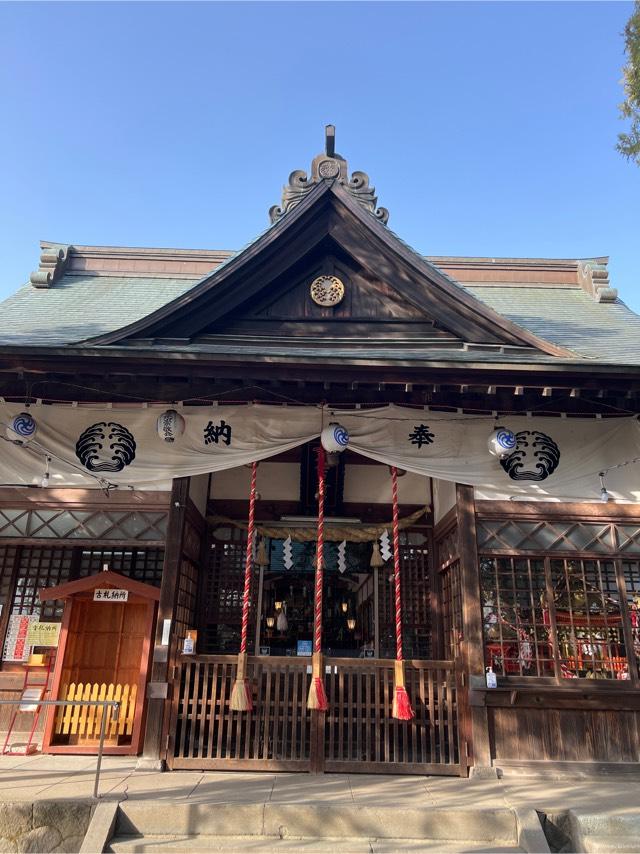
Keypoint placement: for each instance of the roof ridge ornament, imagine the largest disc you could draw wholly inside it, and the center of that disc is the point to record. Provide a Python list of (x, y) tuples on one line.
[(328, 166), (53, 261), (593, 275)]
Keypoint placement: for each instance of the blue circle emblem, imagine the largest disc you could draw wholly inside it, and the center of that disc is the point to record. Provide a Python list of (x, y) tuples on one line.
[(341, 436), (24, 425), (505, 439)]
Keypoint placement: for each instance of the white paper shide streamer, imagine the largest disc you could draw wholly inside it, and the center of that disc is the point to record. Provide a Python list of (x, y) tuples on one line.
[(342, 556), (287, 553), (385, 546)]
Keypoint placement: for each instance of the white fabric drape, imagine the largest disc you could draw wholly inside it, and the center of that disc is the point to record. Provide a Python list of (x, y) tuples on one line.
[(557, 458)]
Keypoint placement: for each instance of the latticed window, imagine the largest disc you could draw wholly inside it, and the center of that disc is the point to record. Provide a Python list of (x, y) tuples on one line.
[(84, 524), (450, 603), (221, 593), (562, 617), (515, 617), (143, 565), (24, 570), (40, 567), (7, 562), (223, 582), (540, 536)]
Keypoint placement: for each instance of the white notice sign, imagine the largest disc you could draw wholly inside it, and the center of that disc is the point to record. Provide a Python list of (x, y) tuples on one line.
[(109, 594), (16, 647)]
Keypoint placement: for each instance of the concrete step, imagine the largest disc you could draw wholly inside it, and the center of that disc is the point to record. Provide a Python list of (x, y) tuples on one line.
[(607, 824), (158, 844), (317, 821), (603, 844)]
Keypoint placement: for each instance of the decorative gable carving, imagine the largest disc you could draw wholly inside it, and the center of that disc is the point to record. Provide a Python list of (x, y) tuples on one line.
[(328, 167)]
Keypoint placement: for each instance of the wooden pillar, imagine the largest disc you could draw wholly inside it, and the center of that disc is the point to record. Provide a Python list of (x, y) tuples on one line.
[(159, 688), (472, 640)]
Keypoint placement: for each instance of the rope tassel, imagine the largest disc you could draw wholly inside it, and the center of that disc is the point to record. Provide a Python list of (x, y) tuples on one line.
[(241, 695), (241, 699), (401, 709), (317, 698)]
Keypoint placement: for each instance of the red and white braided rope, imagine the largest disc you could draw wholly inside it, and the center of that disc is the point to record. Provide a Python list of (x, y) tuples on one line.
[(396, 561), (317, 616), (248, 566)]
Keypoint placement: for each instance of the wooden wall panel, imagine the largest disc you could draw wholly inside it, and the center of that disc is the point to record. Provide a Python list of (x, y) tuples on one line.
[(564, 735)]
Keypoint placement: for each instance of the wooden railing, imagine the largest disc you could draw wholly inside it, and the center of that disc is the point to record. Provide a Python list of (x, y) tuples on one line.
[(360, 733), (356, 734)]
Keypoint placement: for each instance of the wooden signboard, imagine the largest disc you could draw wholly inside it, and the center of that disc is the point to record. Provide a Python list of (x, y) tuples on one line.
[(108, 594), (43, 634)]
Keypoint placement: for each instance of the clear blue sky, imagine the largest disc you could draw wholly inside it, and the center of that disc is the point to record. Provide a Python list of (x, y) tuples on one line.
[(487, 128)]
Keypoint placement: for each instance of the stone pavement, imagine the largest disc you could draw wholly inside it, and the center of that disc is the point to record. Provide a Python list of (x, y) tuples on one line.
[(38, 777)]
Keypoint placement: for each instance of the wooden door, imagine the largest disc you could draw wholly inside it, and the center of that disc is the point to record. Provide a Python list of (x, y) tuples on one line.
[(105, 655)]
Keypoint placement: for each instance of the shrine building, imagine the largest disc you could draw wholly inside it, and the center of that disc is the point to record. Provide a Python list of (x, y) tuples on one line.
[(324, 504)]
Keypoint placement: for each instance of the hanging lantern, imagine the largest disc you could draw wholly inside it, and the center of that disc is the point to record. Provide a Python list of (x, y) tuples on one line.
[(282, 624), (21, 429), (271, 621), (170, 425), (501, 442), (334, 438), (351, 624), (344, 606)]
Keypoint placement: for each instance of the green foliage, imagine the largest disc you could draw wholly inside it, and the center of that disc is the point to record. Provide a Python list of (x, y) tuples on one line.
[(629, 143)]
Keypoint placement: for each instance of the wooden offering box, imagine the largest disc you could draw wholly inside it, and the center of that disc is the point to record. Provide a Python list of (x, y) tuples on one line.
[(104, 654)]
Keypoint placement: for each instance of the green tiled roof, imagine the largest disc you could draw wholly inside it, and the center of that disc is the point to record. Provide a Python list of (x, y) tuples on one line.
[(79, 307), (605, 332)]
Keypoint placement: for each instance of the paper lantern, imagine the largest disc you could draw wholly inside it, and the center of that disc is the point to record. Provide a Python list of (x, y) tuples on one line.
[(501, 442), (170, 425), (334, 438), (21, 428)]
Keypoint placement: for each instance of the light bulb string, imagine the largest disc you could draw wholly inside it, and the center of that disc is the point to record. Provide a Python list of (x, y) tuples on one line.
[(338, 408), (40, 450)]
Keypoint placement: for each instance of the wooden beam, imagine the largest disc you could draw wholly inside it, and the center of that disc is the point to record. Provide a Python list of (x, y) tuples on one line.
[(157, 707), (472, 642)]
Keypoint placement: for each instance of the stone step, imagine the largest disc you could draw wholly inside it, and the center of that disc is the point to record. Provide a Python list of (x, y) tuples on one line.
[(317, 821), (607, 824), (615, 844), (158, 844)]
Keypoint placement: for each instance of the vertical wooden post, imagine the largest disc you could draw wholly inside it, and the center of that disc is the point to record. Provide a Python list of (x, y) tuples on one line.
[(159, 693), (472, 640)]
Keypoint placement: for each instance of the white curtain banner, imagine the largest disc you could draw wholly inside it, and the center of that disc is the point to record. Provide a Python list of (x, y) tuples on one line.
[(554, 458)]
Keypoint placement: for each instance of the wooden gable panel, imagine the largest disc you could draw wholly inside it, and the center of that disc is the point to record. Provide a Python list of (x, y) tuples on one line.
[(371, 307), (328, 216)]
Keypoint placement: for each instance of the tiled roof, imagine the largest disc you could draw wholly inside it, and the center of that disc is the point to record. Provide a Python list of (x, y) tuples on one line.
[(97, 290), (608, 332), (78, 307)]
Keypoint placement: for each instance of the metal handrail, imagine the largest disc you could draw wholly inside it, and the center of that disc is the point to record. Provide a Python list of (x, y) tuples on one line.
[(114, 704)]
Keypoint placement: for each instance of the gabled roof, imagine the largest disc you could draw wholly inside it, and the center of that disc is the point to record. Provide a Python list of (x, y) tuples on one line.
[(165, 301), (106, 578), (328, 210)]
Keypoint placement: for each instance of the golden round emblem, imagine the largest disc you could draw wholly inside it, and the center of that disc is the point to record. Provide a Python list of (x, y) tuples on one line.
[(327, 290)]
